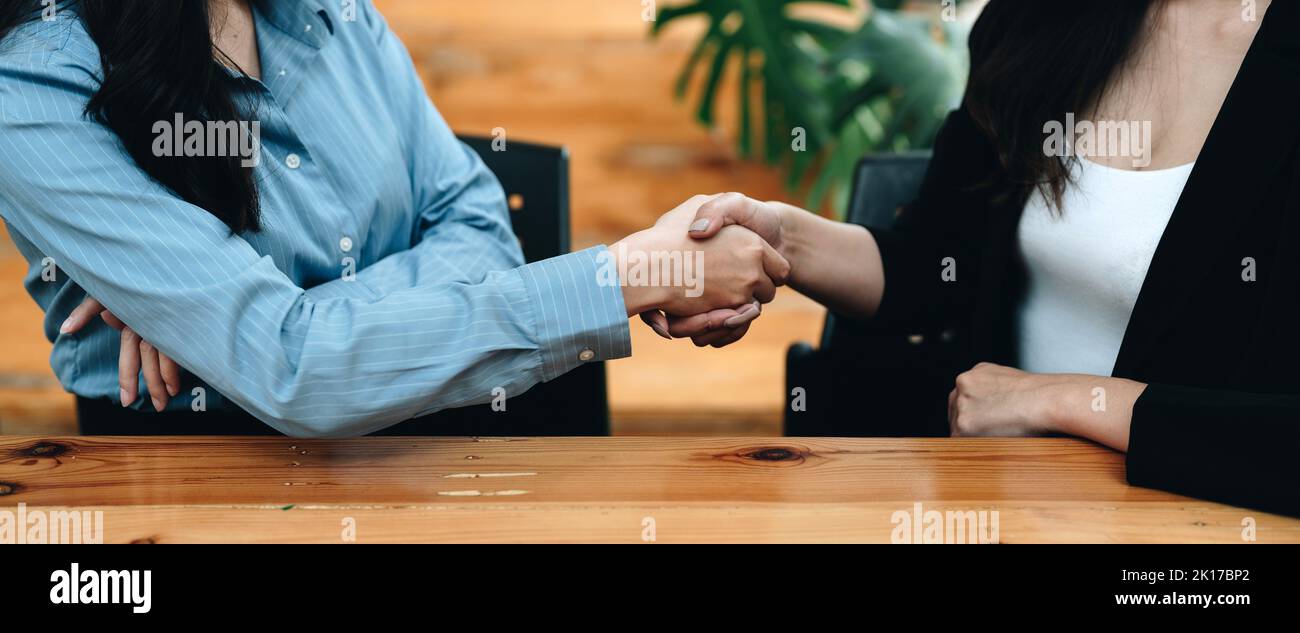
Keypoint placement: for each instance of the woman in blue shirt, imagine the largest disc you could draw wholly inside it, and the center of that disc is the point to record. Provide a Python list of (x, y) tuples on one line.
[(341, 263)]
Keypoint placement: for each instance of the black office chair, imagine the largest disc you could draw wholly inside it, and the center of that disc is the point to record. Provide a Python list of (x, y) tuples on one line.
[(862, 384), (536, 181)]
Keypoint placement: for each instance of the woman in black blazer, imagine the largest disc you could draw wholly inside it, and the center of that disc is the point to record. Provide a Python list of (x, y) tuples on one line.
[(1204, 395)]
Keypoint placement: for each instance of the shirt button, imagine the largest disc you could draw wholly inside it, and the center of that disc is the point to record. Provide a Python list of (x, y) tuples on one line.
[(283, 73), (345, 245), (293, 161), (307, 29), (586, 355)]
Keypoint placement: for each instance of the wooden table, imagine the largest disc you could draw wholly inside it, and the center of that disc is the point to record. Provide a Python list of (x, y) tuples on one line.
[(622, 490)]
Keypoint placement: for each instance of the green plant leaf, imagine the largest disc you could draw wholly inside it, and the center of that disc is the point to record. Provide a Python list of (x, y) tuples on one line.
[(716, 70), (672, 13), (744, 130), (885, 86)]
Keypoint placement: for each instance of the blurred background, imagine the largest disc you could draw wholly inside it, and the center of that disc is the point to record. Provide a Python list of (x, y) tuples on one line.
[(657, 101)]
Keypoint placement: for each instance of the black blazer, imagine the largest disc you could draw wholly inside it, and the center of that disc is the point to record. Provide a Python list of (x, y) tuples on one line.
[(1221, 417)]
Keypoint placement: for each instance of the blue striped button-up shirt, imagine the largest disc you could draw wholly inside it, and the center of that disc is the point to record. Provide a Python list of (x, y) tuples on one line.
[(386, 284)]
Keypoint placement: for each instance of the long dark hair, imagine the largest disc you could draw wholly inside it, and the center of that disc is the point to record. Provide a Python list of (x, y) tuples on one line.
[(159, 61), (1034, 61)]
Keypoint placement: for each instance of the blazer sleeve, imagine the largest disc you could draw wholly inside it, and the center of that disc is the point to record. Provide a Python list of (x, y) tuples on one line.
[(1227, 446), (931, 256)]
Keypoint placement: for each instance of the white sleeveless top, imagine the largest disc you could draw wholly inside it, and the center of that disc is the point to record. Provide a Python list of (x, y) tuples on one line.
[(1086, 264)]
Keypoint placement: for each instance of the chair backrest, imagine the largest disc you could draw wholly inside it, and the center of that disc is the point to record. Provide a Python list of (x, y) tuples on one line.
[(536, 182), (883, 184), (857, 382)]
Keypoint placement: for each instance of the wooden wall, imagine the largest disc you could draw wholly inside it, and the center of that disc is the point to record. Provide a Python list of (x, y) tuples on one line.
[(580, 73)]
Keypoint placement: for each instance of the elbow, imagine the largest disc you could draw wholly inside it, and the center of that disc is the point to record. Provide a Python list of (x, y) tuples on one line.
[(310, 428), (302, 431), (296, 422)]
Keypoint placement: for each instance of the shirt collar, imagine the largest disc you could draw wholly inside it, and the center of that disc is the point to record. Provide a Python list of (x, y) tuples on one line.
[(293, 17)]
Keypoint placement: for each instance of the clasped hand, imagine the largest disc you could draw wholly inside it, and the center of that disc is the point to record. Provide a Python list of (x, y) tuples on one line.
[(741, 240)]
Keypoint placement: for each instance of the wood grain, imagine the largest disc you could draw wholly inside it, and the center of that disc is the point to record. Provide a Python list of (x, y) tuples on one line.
[(584, 74), (599, 489)]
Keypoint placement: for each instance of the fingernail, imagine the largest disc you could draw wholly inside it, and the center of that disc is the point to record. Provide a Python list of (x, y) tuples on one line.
[(738, 320), (743, 316), (659, 329), (701, 225), (157, 405), (127, 397), (172, 390), (66, 327)]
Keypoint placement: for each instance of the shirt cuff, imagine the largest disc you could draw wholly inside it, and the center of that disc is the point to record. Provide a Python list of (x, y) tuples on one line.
[(578, 318)]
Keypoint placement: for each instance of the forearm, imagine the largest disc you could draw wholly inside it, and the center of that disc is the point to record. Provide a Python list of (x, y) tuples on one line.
[(352, 367), (467, 258), (1091, 407), (346, 366), (835, 263)]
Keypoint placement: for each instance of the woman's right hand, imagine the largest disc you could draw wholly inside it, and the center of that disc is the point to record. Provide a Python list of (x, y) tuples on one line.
[(765, 219), (162, 376)]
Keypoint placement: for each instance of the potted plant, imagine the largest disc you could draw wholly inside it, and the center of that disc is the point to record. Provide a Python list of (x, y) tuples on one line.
[(814, 97)]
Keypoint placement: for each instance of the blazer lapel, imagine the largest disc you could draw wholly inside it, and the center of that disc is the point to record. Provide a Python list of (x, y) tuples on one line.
[(1247, 149)]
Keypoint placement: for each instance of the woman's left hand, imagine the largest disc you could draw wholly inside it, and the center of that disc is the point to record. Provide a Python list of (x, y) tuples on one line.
[(992, 400), (162, 375), (997, 400)]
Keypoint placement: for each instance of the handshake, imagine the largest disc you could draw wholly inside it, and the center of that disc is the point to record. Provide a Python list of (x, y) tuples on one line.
[(704, 270)]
